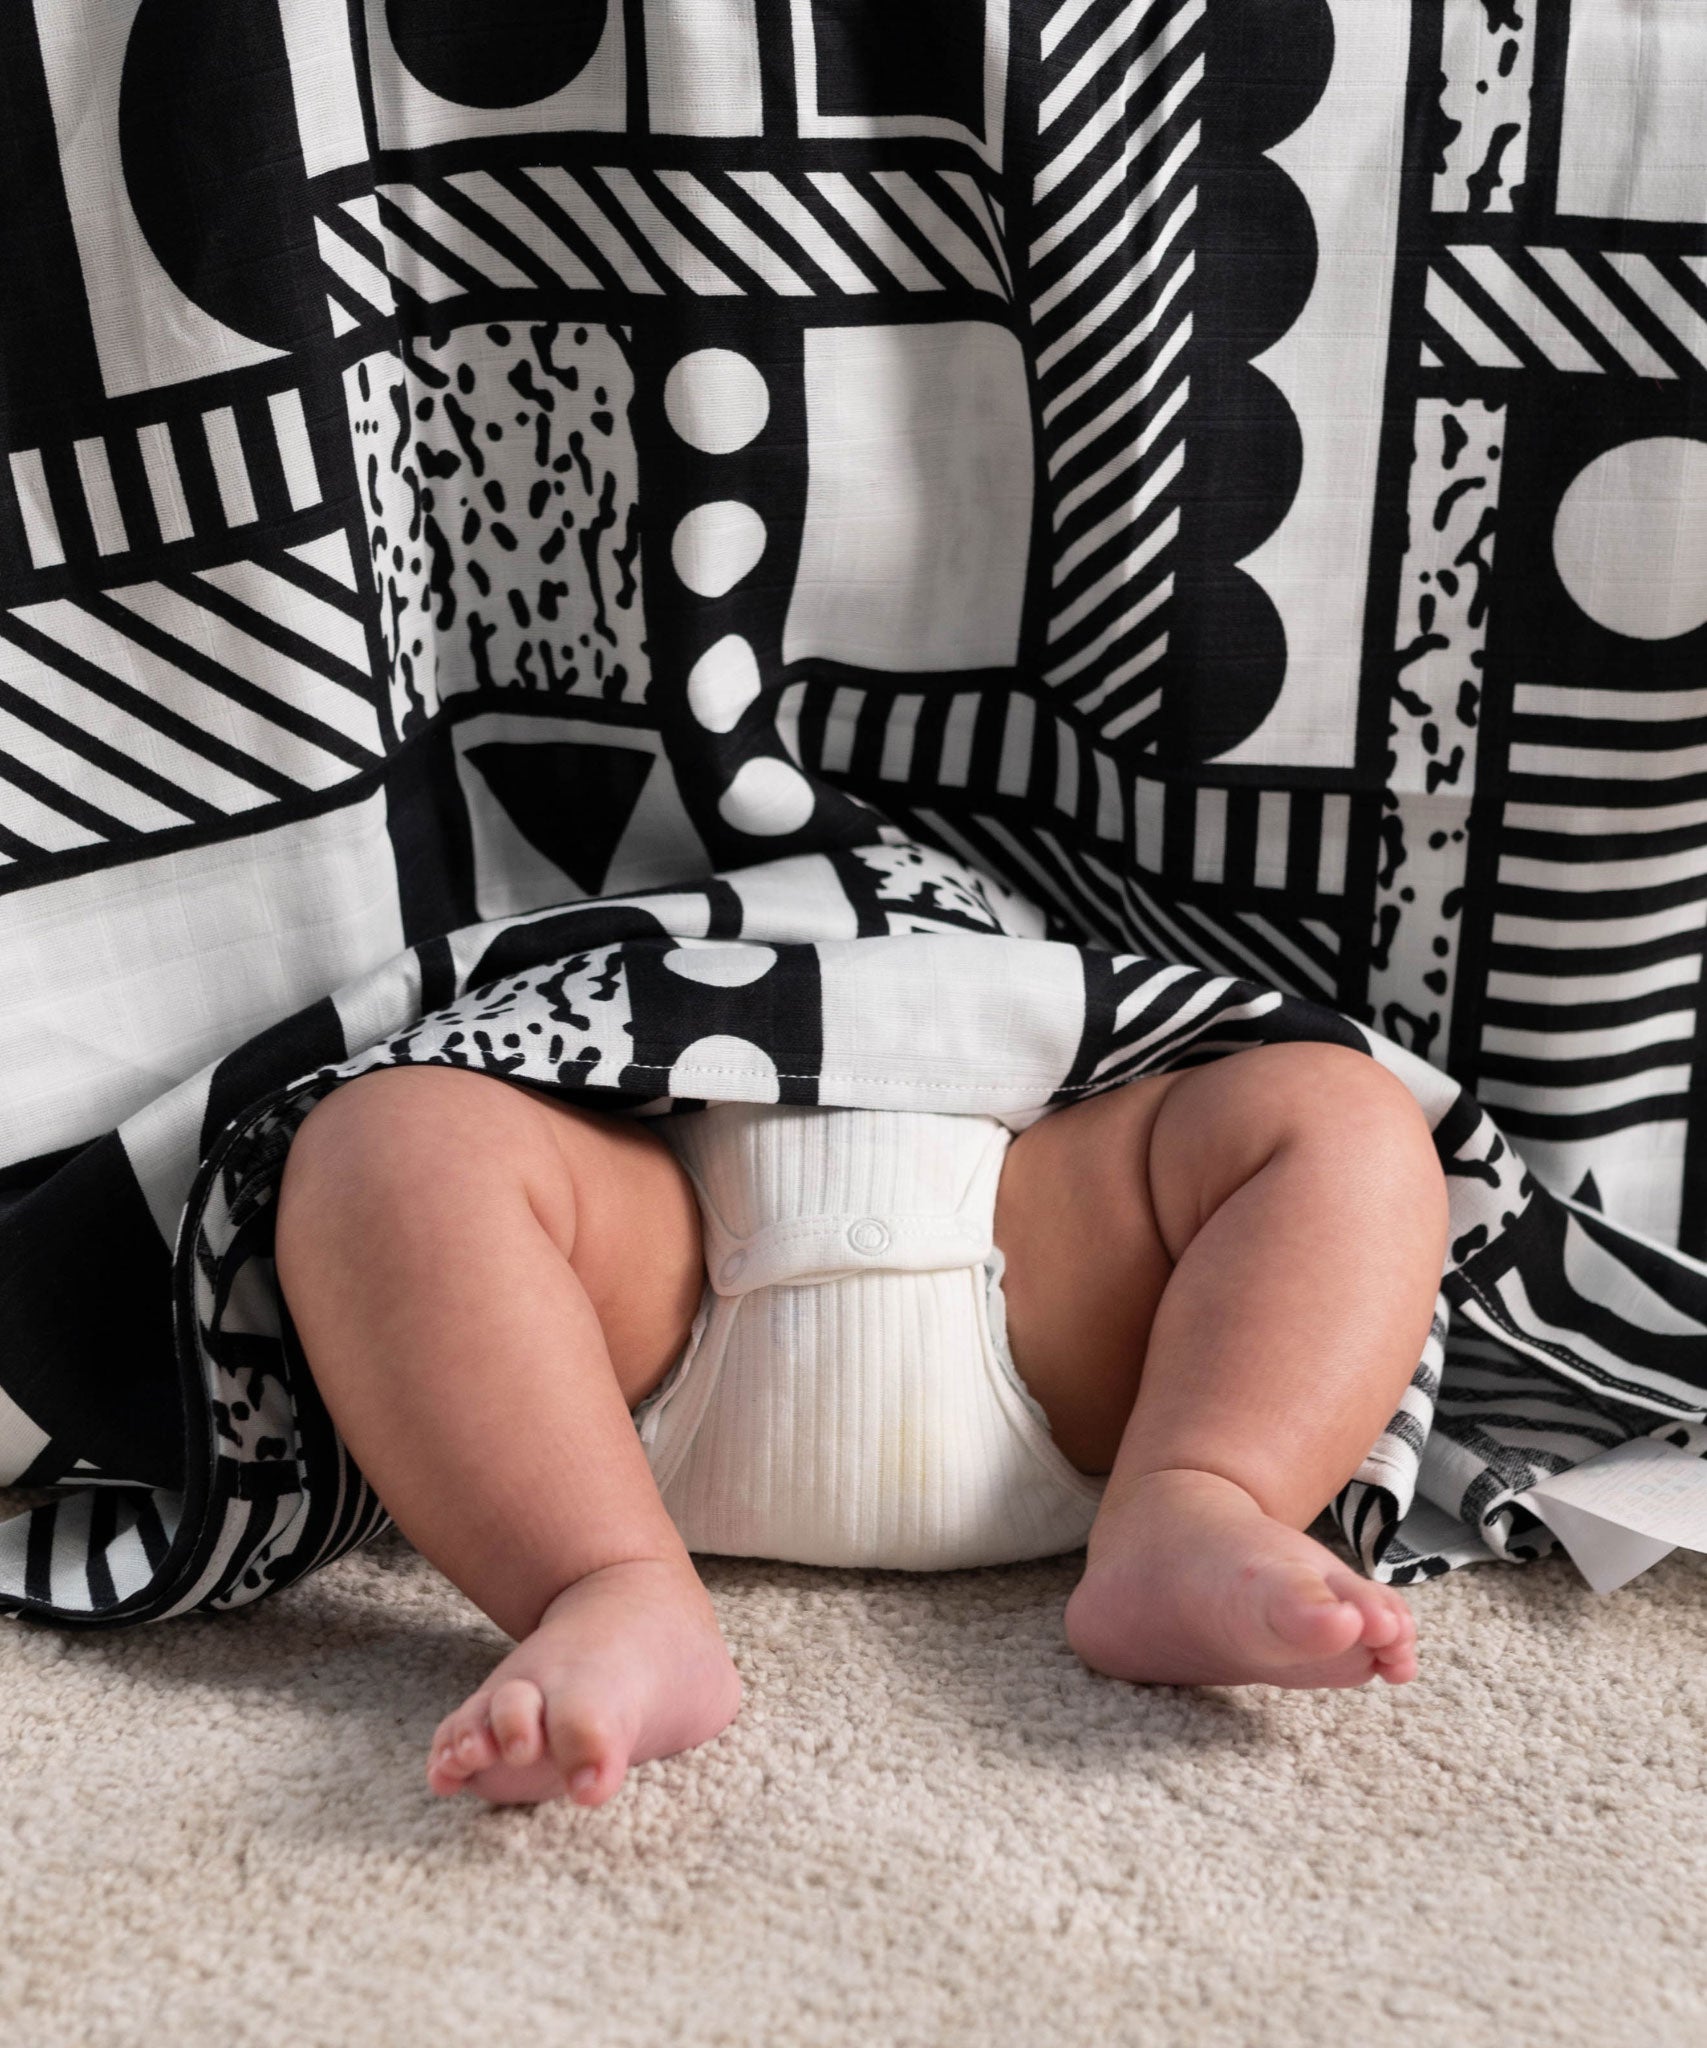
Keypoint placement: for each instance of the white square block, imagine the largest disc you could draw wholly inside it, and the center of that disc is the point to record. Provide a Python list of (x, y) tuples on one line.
[(918, 498), (123, 982), (1632, 145)]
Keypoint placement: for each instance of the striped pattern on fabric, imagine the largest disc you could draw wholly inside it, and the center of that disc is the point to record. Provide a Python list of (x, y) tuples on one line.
[(1593, 986), (106, 494), (710, 233), (183, 699), (1108, 284), (1586, 313)]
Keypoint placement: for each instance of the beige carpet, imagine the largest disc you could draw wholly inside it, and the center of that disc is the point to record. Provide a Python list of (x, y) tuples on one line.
[(928, 1825)]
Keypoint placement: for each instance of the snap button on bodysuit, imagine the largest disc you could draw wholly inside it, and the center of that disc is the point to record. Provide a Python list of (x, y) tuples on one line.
[(868, 1235), (733, 1265)]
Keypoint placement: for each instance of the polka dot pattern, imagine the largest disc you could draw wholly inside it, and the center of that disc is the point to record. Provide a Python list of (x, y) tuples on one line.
[(716, 400), (721, 966), (724, 1060), (723, 682), (767, 796), (716, 545)]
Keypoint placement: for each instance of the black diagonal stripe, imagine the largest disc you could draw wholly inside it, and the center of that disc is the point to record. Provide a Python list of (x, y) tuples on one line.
[(969, 220), (1073, 912), (409, 230), (316, 582), (566, 228), (1100, 340), (1115, 494), (1325, 955), (1119, 489), (1690, 285), (703, 237), (1493, 315), (1144, 928), (1061, 257), (1664, 340), (355, 307), (908, 232), (1283, 970), (463, 206), (1074, 311), (125, 766), (275, 710), (772, 232), (1110, 82), (1133, 691), (271, 632), (1568, 313), (842, 232), (1134, 637), (1451, 351), (1098, 882), (73, 806), (345, 227)]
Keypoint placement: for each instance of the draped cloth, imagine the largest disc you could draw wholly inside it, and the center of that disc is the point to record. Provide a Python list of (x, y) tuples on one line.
[(743, 551)]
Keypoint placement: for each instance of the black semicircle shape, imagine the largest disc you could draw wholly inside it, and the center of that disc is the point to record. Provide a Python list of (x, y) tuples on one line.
[(501, 53), (213, 164)]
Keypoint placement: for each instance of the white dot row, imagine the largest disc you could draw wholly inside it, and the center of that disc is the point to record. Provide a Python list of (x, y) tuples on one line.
[(717, 401)]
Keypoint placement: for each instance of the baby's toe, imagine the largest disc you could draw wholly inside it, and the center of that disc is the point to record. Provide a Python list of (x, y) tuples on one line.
[(516, 1711), (589, 1751), (461, 1746), (1385, 1614), (1306, 1616), (1397, 1663)]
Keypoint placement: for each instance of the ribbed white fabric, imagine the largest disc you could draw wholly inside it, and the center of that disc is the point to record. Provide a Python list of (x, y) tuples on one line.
[(841, 1401)]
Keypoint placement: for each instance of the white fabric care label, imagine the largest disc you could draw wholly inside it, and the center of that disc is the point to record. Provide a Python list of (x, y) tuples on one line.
[(1624, 1510)]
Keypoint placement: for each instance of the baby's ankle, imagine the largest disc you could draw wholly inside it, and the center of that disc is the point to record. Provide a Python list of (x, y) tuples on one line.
[(1181, 1486), (656, 1577)]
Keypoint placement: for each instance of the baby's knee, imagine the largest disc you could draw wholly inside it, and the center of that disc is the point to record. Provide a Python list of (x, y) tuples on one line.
[(1359, 1120), (401, 1134), (1329, 1108)]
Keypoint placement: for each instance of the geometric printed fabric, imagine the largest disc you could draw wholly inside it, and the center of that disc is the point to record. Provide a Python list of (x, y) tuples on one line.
[(1223, 488)]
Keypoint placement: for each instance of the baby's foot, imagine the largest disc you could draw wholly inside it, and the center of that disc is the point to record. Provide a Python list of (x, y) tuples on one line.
[(626, 1664), (1188, 1582)]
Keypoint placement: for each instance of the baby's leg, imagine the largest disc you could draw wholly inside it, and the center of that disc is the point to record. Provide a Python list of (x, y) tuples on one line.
[(485, 1281), (1255, 1246)]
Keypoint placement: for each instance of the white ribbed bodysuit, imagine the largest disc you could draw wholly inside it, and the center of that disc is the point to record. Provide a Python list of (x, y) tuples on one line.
[(846, 1396)]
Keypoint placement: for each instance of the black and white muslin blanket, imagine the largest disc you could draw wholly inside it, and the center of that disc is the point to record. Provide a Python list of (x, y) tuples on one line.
[(943, 558)]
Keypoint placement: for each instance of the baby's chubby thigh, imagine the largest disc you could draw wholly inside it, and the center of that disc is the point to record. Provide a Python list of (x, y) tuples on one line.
[(1085, 1262), (629, 1223), (421, 1158), (1100, 1200)]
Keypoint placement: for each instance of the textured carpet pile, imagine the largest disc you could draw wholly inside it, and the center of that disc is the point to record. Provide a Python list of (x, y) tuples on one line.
[(929, 1824)]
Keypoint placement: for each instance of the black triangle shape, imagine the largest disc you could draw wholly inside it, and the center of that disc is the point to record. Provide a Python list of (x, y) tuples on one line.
[(570, 800), (1589, 1194)]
